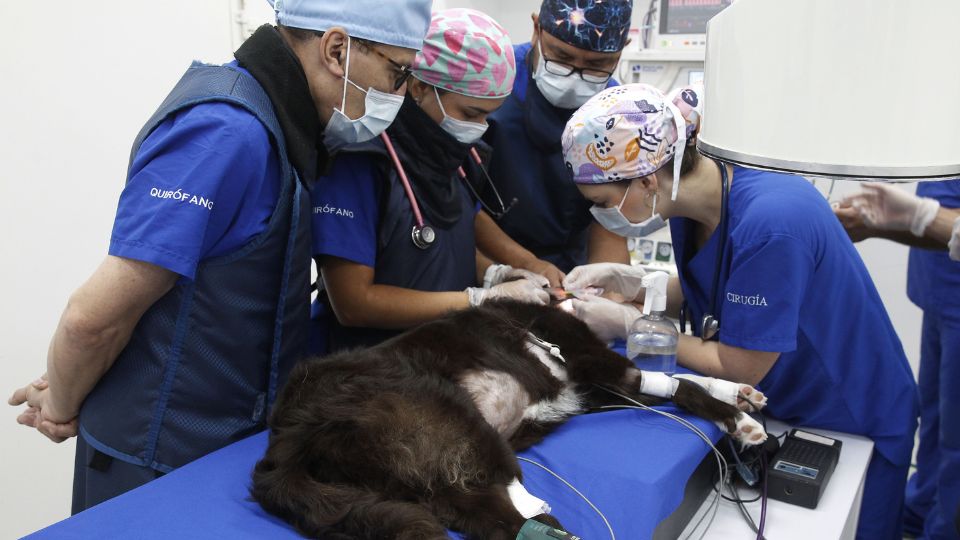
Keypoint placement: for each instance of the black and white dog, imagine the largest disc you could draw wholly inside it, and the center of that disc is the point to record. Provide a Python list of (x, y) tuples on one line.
[(417, 435)]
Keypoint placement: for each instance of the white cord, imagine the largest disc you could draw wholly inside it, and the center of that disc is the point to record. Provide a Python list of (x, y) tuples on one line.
[(721, 464), (575, 490), (721, 461)]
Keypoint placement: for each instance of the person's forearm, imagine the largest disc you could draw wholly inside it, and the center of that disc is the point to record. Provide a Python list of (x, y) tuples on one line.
[(483, 262), (396, 308), (80, 352), (674, 297), (700, 356), (907, 238), (725, 361), (605, 246), (97, 324), (497, 245), (941, 229)]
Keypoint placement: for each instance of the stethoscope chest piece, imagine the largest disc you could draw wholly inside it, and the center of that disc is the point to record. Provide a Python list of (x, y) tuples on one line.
[(423, 237), (709, 327)]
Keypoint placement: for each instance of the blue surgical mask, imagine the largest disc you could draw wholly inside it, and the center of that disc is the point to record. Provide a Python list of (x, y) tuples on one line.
[(613, 220), (463, 131)]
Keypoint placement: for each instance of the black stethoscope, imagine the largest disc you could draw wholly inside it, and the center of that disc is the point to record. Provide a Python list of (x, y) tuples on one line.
[(496, 214), (710, 323), (423, 235)]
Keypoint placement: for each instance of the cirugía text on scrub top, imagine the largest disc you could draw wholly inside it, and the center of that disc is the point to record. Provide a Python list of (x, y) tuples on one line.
[(327, 209), (182, 196), (751, 300)]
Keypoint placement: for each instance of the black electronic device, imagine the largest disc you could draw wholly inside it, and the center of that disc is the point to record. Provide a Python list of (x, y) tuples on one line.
[(799, 472)]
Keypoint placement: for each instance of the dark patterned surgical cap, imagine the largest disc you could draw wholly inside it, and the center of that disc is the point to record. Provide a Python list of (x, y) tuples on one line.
[(594, 25)]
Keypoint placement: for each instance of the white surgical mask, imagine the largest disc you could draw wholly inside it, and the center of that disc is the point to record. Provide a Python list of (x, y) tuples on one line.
[(613, 220), (463, 131), (379, 110), (565, 92)]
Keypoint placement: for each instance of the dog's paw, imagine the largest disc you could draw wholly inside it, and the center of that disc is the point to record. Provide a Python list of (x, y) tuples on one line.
[(748, 432), (750, 399)]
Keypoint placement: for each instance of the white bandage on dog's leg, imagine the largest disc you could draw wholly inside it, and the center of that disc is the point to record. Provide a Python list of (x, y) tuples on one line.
[(654, 383), (528, 505), (725, 391)]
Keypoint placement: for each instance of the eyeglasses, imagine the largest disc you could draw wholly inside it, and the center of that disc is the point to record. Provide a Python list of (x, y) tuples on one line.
[(562, 69), (404, 72)]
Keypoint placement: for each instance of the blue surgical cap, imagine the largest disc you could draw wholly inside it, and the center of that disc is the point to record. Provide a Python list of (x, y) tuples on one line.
[(594, 25), (391, 22)]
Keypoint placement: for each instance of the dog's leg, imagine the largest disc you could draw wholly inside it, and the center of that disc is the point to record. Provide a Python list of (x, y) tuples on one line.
[(530, 433), (483, 513), (744, 396), (693, 398), (397, 520), (344, 512)]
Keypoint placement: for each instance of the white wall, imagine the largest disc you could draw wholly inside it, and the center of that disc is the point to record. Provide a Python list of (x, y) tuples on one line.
[(78, 82)]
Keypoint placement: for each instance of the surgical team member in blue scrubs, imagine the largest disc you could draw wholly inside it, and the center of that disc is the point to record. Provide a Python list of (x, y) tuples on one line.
[(177, 343), (799, 315), (377, 279), (572, 55), (933, 284)]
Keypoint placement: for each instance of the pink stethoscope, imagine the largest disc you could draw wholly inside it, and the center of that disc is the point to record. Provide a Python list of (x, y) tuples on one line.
[(423, 235)]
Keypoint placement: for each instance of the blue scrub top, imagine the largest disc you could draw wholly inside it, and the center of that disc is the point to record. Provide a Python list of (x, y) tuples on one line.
[(362, 214), (202, 184), (345, 210), (793, 283), (551, 217), (933, 279)]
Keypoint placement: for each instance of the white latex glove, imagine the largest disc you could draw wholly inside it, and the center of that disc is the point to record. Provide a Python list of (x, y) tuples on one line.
[(889, 208), (500, 273), (624, 279), (607, 319), (521, 290)]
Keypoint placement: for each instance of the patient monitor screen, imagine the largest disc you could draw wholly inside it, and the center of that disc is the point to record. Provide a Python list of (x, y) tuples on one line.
[(688, 16)]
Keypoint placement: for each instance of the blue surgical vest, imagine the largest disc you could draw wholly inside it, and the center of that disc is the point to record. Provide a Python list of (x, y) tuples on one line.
[(205, 361), (361, 213), (792, 283), (203, 183), (933, 279), (551, 216)]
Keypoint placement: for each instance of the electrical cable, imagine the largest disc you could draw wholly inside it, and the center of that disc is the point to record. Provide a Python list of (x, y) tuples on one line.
[(721, 462), (722, 465), (763, 501), (647, 24), (743, 509), (575, 490), (742, 502)]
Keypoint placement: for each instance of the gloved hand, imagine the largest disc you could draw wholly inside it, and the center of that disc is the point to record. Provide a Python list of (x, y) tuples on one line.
[(500, 273), (888, 208), (623, 279), (607, 319), (521, 290)]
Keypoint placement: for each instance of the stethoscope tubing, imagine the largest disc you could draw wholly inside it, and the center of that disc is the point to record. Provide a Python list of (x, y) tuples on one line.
[(423, 235), (710, 318), (418, 217)]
